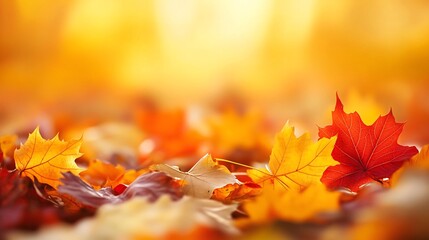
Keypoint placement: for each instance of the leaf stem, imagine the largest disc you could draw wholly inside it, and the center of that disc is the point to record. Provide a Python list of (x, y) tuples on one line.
[(241, 165), (253, 168)]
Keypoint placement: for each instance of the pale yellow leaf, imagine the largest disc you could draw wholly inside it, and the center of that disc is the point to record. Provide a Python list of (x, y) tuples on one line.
[(201, 180)]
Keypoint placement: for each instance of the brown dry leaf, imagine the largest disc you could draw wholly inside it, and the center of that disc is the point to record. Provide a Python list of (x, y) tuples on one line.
[(201, 180), (151, 186), (47, 159)]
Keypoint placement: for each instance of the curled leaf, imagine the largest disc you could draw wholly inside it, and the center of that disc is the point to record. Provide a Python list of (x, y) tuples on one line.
[(151, 186), (236, 192)]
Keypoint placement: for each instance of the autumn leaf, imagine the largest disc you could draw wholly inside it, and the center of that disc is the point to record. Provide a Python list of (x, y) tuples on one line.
[(47, 159), (151, 186), (23, 204), (102, 174), (139, 218), (66, 202), (8, 181), (236, 192), (202, 178), (295, 206), (7, 145), (366, 153), (295, 162)]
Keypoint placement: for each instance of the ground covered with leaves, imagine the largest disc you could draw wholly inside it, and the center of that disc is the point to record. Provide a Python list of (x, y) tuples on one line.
[(171, 174)]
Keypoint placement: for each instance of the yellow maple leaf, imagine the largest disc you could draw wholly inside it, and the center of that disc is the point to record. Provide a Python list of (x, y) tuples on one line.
[(47, 159), (295, 206), (295, 162)]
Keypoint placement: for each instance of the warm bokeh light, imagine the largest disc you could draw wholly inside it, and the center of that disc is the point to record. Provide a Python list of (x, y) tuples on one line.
[(285, 56)]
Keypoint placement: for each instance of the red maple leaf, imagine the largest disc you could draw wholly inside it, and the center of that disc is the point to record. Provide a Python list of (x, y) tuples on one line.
[(366, 153)]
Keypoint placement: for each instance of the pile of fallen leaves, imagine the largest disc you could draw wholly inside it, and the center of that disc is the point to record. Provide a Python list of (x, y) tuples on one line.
[(355, 181)]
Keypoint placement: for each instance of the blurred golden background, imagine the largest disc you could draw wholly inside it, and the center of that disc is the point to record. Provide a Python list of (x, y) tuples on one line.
[(101, 58)]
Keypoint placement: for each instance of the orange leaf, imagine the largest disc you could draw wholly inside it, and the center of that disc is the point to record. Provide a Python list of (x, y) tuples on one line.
[(236, 192), (101, 174), (47, 159), (418, 161), (7, 145), (292, 206), (421, 160)]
